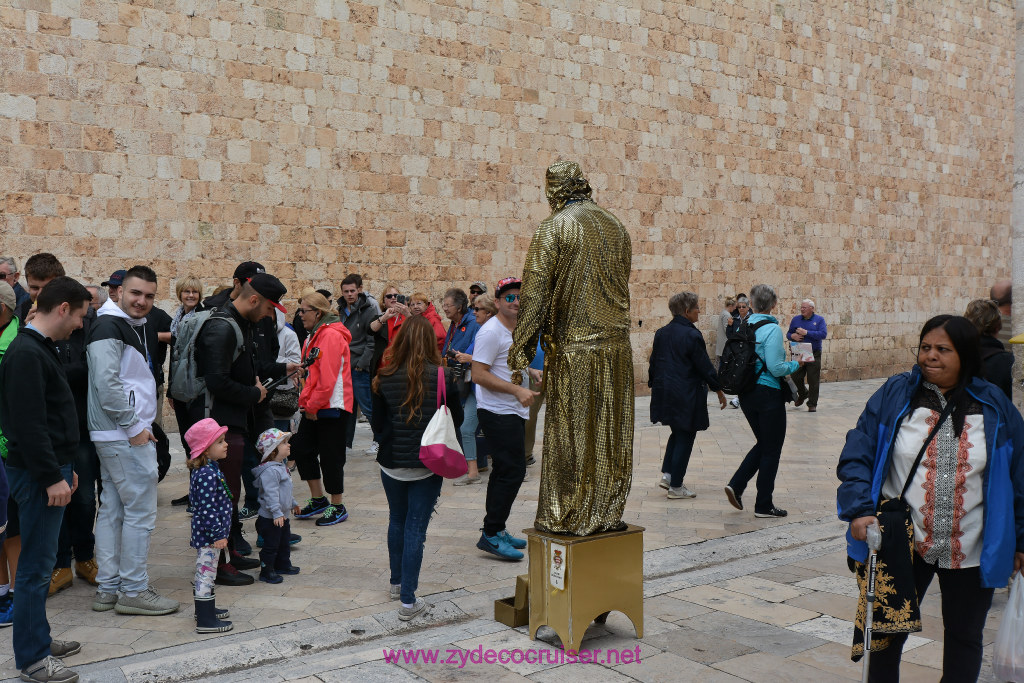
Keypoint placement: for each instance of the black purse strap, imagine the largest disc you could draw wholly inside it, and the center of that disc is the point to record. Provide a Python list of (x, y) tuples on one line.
[(931, 435)]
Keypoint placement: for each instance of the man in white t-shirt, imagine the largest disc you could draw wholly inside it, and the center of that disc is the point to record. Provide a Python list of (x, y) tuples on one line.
[(503, 406)]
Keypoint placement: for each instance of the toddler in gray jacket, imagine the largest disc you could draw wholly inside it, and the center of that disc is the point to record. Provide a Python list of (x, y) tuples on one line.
[(275, 495)]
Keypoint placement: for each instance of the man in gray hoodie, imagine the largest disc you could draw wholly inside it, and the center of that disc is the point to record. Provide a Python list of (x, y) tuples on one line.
[(122, 408), (357, 311)]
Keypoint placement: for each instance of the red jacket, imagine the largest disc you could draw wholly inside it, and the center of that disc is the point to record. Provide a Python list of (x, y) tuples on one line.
[(435, 320), (329, 384)]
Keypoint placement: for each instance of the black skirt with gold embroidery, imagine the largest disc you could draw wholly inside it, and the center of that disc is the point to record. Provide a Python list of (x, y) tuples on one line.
[(897, 609)]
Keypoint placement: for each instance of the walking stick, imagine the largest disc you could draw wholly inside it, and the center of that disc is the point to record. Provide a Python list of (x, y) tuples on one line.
[(874, 543)]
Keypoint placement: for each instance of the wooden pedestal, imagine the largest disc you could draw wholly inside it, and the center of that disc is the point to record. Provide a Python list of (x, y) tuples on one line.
[(602, 573)]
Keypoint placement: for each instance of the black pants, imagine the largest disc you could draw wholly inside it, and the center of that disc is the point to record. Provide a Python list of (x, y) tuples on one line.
[(186, 415), (677, 455), (319, 445), (812, 371), (506, 436), (965, 605), (276, 553), (766, 414)]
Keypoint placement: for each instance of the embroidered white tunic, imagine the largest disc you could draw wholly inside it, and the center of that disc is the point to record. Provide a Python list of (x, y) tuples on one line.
[(947, 494)]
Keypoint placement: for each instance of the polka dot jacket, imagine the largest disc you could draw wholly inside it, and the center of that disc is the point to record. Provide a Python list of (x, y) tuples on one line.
[(211, 506)]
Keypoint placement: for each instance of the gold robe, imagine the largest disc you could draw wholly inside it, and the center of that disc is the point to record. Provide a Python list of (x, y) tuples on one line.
[(575, 298)]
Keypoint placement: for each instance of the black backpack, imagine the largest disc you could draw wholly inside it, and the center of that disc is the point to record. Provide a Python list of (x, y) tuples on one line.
[(738, 371)]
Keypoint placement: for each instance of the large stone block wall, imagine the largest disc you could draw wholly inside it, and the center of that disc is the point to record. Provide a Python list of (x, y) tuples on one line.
[(856, 152)]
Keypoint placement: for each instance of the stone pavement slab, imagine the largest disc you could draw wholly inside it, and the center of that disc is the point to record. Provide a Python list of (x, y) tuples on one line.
[(727, 597)]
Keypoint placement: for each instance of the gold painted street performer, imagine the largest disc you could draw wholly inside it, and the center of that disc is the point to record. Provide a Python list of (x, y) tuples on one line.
[(575, 300)]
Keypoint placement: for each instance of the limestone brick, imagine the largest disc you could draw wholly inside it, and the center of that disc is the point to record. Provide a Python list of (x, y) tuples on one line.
[(856, 154)]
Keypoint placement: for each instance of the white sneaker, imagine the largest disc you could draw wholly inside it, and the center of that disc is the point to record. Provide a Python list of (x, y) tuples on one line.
[(666, 481), (374, 447), (734, 402), (681, 492)]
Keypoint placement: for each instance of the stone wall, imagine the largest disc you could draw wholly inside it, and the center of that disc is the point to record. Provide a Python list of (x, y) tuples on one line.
[(856, 152)]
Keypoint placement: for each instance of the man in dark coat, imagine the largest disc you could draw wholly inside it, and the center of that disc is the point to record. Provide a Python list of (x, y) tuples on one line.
[(679, 376)]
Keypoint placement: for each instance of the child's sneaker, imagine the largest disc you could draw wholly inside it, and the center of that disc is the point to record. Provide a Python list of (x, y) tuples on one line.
[(333, 515), (270, 576), (290, 570), (314, 506)]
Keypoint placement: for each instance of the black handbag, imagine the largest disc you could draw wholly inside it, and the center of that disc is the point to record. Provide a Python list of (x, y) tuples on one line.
[(284, 402)]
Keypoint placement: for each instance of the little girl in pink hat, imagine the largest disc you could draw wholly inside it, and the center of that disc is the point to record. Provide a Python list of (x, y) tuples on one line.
[(211, 518)]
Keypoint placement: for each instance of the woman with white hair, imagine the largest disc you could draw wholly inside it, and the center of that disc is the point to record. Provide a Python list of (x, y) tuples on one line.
[(764, 407)]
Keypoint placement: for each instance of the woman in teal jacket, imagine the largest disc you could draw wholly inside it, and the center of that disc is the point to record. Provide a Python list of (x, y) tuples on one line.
[(966, 495), (764, 408)]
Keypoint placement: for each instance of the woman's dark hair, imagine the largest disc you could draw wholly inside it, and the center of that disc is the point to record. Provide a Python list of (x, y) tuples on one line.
[(967, 343), (413, 348)]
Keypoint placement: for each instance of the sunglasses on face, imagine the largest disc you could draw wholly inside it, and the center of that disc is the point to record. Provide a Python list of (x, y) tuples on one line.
[(475, 291), (390, 296), (304, 311), (511, 297)]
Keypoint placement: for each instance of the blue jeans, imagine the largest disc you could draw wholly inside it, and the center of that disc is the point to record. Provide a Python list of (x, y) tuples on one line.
[(468, 429), (127, 515), (40, 526), (76, 529), (411, 504), (361, 391)]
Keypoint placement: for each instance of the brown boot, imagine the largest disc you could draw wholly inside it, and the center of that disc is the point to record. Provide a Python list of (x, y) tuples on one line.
[(60, 579), (87, 570)]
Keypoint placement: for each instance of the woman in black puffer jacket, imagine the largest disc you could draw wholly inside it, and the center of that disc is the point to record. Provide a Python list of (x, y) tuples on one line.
[(404, 399)]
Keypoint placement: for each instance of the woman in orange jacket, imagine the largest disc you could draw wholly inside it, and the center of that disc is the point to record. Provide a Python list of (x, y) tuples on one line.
[(325, 403), (419, 304)]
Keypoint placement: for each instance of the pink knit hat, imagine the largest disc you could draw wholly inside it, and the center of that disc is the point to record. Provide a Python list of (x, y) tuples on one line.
[(202, 434)]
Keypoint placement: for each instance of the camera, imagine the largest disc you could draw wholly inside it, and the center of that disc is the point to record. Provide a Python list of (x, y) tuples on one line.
[(402, 299)]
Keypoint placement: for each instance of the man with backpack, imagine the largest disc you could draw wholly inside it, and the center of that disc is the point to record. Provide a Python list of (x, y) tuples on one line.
[(229, 364)]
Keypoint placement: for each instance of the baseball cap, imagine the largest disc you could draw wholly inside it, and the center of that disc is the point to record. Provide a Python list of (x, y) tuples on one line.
[(269, 287), (116, 279), (479, 285), (7, 297), (271, 439), (507, 283), (247, 269), (201, 436)]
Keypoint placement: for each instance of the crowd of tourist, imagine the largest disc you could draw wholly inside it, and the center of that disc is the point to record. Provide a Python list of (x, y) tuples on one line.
[(83, 386), (86, 379)]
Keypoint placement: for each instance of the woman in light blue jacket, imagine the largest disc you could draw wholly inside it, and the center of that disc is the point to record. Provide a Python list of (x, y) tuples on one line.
[(764, 408)]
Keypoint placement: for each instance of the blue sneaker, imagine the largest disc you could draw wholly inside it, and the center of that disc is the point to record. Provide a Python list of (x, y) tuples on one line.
[(496, 545), (333, 515), (6, 610), (517, 543), (314, 506)]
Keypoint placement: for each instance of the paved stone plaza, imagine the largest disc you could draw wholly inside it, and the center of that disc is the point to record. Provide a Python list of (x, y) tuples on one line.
[(727, 597)]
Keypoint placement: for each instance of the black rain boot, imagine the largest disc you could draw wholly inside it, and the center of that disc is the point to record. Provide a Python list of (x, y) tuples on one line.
[(220, 612), (206, 617)]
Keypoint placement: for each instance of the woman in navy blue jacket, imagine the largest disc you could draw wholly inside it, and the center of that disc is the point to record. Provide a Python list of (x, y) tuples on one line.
[(966, 496), (679, 376)]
